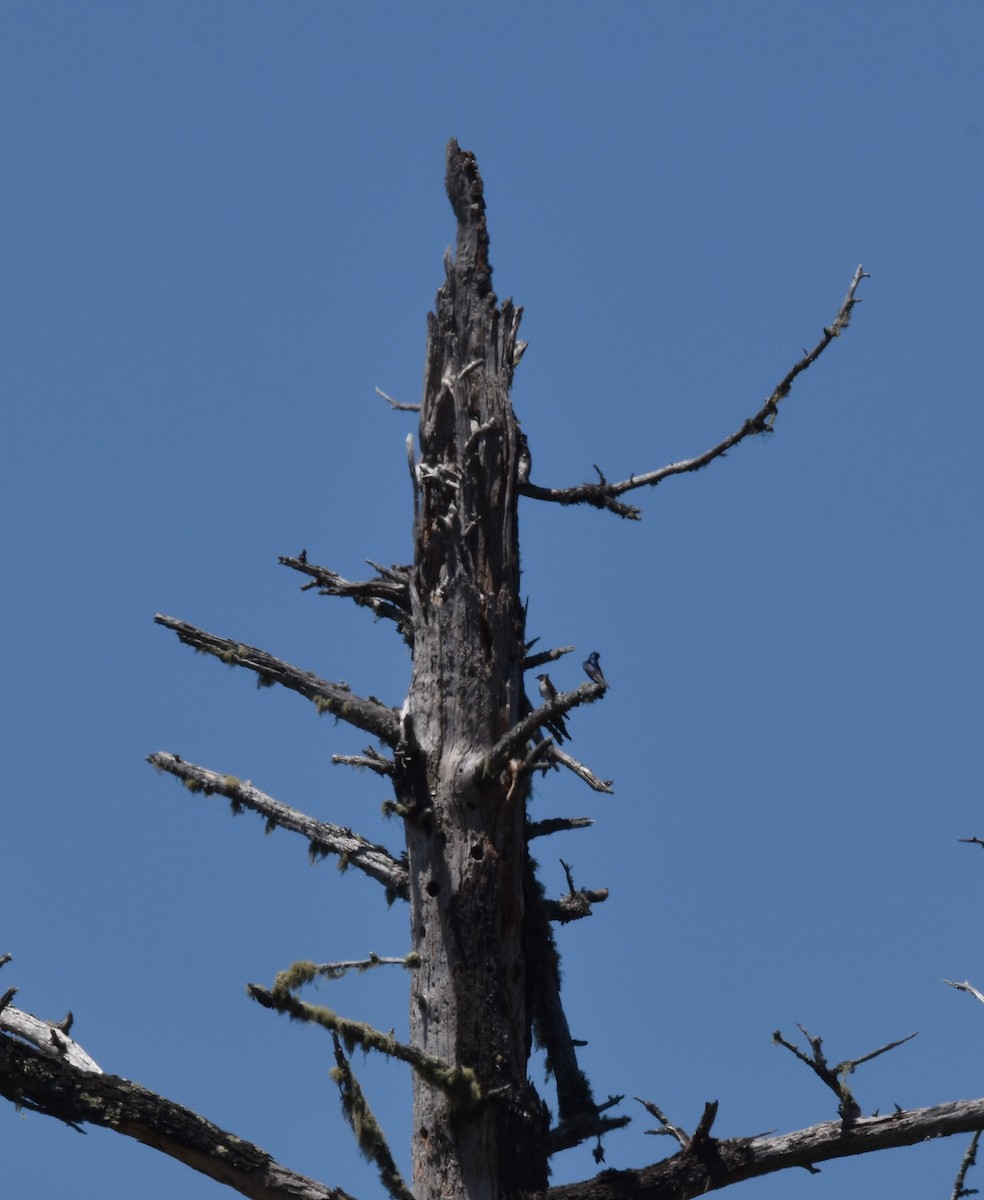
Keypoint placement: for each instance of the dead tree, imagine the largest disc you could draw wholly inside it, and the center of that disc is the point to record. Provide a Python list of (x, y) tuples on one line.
[(460, 754)]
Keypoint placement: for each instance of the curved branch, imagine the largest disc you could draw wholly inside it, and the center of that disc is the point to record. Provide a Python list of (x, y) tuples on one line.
[(604, 494), (58, 1089), (364, 713)]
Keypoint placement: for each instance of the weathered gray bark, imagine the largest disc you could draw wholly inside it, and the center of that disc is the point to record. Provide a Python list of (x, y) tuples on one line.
[(465, 830), (485, 968)]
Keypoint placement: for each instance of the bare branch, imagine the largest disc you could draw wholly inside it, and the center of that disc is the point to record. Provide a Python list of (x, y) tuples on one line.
[(395, 404), (603, 494), (57, 1088), (689, 1144), (969, 1160), (544, 828), (723, 1163), (47, 1038), (521, 769), (966, 987), (364, 713), (702, 1133), (836, 1077), (544, 656), (323, 837), (398, 573), (571, 1133), (847, 1067), (597, 495), (386, 596), (371, 759), (557, 755), (497, 758), (672, 1130)]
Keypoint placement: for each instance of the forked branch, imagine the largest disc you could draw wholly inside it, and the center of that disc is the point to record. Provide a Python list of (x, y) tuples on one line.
[(388, 595), (836, 1077), (689, 1143)]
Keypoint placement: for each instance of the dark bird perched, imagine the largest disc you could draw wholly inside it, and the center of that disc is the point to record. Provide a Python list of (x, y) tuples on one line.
[(593, 670), (556, 725)]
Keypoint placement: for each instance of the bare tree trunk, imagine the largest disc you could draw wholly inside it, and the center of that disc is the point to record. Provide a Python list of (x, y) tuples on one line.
[(485, 970), (466, 831)]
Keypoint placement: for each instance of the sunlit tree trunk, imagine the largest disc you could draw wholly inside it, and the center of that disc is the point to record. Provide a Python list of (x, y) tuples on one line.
[(466, 830)]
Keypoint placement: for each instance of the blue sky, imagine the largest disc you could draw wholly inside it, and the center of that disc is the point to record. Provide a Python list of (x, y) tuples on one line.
[(223, 227)]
